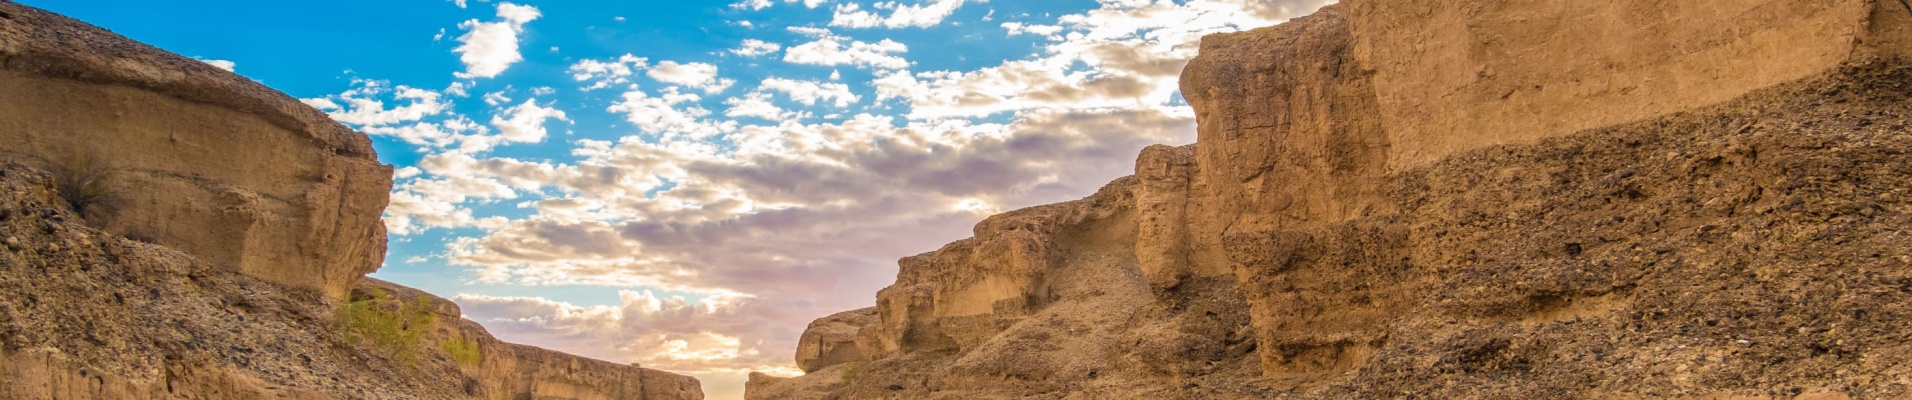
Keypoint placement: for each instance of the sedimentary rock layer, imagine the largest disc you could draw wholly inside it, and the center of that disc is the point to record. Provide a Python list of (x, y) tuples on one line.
[(1524, 198), (172, 230), (228, 170)]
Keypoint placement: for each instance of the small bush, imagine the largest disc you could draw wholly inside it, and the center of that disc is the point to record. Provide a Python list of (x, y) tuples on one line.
[(84, 182), (396, 333), (850, 372), (463, 351)]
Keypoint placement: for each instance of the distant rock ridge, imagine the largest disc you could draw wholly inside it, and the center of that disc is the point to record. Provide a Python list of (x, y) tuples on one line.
[(1467, 199), (172, 230)]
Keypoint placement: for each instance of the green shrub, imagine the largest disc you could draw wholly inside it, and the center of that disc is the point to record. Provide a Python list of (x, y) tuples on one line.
[(463, 351), (395, 333), (850, 372)]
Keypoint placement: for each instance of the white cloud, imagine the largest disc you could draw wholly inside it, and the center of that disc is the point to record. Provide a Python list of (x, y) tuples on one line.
[(852, 15), (757, 105), (221, 64), (459, 89), (496, 98), (695, 75), (608, 73), (489, 48), (754, 5), (755, 48), (1133, 53), (661, 115), (525, 122), (751, 4), (1018, 28), (830, 50), (809, 92), (364, 104)]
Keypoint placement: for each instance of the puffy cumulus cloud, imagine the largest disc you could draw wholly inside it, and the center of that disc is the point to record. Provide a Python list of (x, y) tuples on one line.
[(364, 104), (809, 92), (489, 48), (829, 49), (525, 122), (606, 73), (695, 75), (757, 105), (599, 74), (424, 118), (853, 15), (756, 48), (672, 114)]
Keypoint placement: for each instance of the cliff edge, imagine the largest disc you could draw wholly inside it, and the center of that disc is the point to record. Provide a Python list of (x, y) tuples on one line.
[(1472, 199), (172, 230)]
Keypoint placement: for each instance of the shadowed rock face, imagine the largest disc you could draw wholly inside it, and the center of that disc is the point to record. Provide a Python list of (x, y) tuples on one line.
[(221, 253), (1531, 199)]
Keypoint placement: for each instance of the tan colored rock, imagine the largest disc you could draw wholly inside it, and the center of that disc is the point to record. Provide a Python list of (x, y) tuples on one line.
[(1485, 198), (511, 371), (1164, 200), (227, 260), (1450, 77), (965, 293), (91, 315), (832, 340), (202, 160)]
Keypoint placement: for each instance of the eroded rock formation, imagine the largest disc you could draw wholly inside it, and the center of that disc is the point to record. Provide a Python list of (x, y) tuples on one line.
[(172, 230), (230, 171), (1483, 198)]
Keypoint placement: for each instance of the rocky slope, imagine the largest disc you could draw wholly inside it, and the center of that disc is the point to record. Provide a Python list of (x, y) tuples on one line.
[(1471, 199), (172, 230)]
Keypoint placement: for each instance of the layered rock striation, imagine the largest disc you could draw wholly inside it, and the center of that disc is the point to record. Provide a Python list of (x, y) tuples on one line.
[(1485, 198), (172, 230), (230, 171)]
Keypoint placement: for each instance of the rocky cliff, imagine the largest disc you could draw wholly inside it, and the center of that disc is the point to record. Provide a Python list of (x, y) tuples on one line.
[(172, 230), (1469, 199)]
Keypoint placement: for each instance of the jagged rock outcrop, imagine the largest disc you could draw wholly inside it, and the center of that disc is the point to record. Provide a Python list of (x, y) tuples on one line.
[(171, 230), (1484, 198), (832, 340)]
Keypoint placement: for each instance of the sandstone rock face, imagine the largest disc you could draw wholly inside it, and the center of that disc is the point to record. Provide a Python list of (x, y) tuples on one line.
[(1524, 70), (1484, 198), (205, 161), (832, 340), (504, 370), (218, 251), (93, 315)]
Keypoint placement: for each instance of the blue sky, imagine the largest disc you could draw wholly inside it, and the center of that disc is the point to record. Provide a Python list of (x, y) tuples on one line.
[(686, 184)]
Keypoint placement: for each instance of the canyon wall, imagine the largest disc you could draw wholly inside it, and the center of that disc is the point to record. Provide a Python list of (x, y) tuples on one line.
[(172, 230), (228, 170), (1512, 197)]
